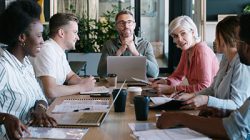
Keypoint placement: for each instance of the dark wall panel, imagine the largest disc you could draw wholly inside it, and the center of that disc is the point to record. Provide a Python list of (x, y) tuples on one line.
[(176, 8), (215, 7), (46, 9), (2, 5)]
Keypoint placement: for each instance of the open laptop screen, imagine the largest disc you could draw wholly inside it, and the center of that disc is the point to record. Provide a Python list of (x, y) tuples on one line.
[(83, 118), (126, 67)]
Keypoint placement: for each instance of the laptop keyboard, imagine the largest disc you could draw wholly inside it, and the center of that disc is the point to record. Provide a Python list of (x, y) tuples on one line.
[(90, 117)]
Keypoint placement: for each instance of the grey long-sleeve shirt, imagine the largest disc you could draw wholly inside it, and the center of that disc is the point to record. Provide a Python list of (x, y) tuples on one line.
[(144, 48)]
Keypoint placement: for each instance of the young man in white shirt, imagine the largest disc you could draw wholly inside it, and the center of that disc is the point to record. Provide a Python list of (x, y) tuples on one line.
[(51, 65)]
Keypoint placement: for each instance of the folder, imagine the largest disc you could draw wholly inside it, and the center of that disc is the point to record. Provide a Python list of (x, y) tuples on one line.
[(166, 103)]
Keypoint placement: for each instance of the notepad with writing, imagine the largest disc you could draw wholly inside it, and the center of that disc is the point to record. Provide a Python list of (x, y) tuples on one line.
[(165, 103), (82, 105), (55, 133), (98, 89)]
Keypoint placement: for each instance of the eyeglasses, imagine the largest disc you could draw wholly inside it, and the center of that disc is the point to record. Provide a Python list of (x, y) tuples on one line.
[(123, 23)]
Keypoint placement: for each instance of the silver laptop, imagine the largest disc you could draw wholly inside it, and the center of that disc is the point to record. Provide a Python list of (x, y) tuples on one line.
[(76, 119), (126, 67)]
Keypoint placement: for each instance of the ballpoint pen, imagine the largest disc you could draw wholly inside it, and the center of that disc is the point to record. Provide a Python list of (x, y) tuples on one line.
[(156, 79), (77, 110), (177, 94)]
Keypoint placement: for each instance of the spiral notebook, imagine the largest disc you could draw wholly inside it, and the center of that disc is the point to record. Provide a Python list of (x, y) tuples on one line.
[(84, 118), (83, 105), (98, 89)]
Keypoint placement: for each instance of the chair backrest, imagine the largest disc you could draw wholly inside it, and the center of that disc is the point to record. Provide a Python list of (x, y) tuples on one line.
[(78, 66)]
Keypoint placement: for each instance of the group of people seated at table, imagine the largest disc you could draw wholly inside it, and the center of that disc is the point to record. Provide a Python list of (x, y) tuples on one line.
[(221, 91)]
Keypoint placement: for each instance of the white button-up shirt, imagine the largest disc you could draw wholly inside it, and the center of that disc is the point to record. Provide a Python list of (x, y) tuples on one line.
[(51, 61)]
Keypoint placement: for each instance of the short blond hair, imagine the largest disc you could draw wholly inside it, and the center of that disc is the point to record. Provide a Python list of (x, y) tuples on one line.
[(184, 22)]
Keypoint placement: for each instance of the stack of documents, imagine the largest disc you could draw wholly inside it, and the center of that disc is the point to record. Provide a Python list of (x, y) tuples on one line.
[(148, 131), (55, 133)]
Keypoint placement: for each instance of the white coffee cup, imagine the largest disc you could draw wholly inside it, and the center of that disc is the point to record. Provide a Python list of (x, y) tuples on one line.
[(132, 92)]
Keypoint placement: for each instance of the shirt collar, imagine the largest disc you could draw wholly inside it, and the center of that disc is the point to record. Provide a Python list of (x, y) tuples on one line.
[(234, 59), (57, 47), (14, 61)]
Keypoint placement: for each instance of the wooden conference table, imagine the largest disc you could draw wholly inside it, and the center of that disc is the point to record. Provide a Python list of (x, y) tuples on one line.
[(115, 126)]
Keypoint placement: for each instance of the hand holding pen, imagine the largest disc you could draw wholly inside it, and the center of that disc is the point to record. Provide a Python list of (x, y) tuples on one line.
[(158, 81), (176, 95), (186, 96)]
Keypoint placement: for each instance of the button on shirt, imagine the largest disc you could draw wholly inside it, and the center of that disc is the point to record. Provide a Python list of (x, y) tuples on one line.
[(19, 88), (51, 61)]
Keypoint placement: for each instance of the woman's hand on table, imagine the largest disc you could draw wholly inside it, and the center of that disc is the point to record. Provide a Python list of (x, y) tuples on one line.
[(14, 127)]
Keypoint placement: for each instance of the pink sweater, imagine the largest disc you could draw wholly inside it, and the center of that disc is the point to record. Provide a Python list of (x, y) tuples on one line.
[(203, 67)]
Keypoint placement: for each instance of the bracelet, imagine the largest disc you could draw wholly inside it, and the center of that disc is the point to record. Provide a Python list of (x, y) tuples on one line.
[(175, 89), (165, 81), (43, 107), (3, 119)]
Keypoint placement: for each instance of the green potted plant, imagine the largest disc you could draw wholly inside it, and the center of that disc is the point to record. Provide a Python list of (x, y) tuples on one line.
[(93, 33), (246, 9)]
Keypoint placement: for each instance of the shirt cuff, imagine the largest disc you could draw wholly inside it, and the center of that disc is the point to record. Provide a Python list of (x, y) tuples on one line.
[(212, 102)]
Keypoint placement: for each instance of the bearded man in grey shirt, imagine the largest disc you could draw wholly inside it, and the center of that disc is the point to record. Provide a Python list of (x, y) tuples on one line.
[(127, 44)]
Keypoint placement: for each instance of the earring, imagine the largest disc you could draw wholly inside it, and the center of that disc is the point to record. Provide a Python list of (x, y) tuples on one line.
[(23, 44)]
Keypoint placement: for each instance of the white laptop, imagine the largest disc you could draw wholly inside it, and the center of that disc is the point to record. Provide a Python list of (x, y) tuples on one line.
[(76, 119), (126, 67)]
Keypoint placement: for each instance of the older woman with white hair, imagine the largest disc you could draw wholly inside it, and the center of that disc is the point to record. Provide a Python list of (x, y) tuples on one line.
[(198, 63)]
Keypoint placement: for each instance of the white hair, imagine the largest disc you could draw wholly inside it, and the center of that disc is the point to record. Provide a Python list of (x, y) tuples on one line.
[(184, 22)]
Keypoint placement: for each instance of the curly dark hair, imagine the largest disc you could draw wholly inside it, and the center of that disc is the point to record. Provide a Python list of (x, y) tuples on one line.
[(16, 19)]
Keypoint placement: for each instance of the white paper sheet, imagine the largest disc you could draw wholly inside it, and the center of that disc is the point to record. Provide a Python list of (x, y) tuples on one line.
[(152, 133), (55, 133), (140, 80), (160, 100)]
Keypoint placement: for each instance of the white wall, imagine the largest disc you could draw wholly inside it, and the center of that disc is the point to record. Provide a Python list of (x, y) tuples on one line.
[(210, 33)]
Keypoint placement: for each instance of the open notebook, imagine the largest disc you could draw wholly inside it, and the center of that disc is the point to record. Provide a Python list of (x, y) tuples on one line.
[(84, 118)]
